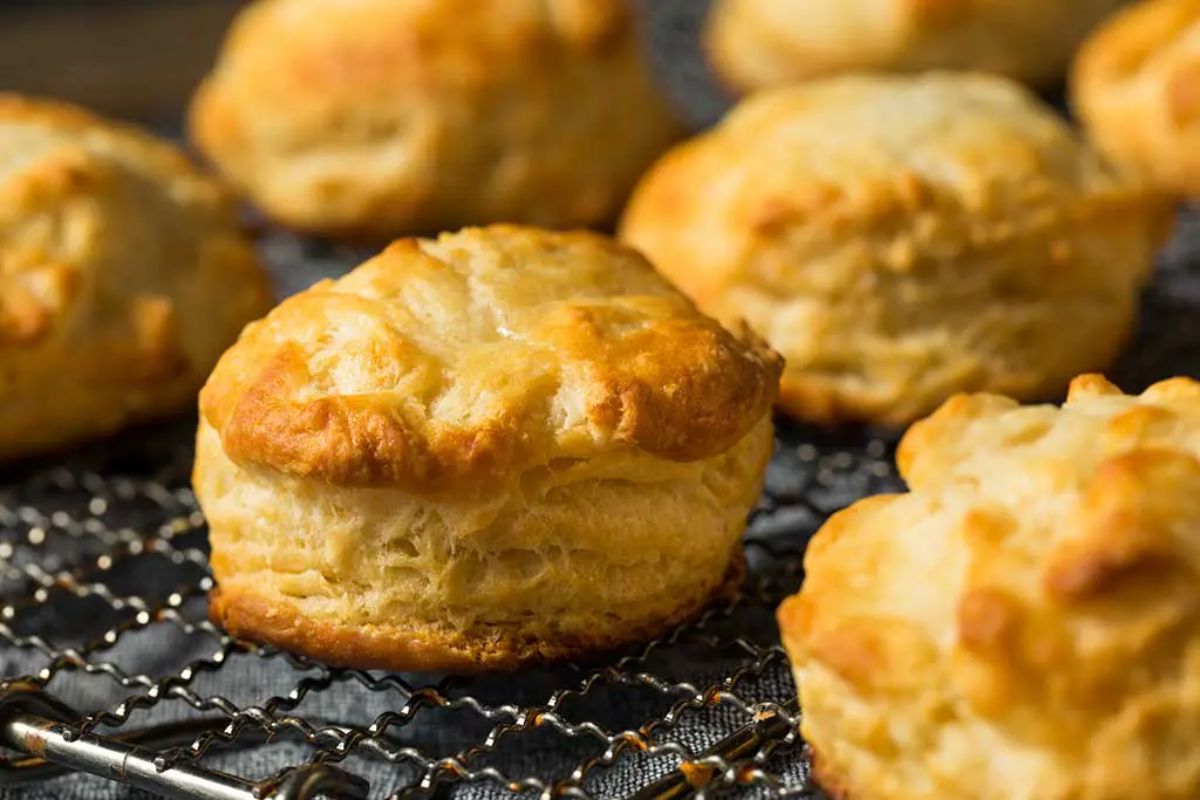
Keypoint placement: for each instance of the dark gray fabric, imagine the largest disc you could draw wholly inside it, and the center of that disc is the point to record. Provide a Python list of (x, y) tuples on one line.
[(724, 666)]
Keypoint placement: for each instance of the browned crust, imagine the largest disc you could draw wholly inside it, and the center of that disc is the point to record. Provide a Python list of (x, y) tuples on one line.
[(682, 388), (1122, 44), (89, 348), (164, 156), (351, 440), (1137, 95), (418, 648)]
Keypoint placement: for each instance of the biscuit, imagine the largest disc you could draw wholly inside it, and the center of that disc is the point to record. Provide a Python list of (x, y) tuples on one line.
[(1136, 86), (123, 276), (900, 238), (502, 446), (375, 118), (755, 44), (1023, 622)]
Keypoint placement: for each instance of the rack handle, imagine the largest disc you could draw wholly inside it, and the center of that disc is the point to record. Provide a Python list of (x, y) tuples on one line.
[(34, 723)]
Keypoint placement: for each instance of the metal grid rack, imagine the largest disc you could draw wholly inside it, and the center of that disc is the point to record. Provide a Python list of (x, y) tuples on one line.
[(112, 667)]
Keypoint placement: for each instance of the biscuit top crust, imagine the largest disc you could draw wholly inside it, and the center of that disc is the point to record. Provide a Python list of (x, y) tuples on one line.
[(973, 439), (1042, 569), (107, 236), (1149, 39), (33, 129), (1116, 477), (315, 62), (471, 357), (976, 134), (944, 163)]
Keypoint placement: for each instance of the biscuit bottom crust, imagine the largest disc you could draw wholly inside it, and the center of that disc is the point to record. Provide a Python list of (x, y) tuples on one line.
[(424, 647)]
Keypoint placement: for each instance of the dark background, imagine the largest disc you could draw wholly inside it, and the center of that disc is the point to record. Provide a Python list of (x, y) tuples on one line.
[(138, 59)]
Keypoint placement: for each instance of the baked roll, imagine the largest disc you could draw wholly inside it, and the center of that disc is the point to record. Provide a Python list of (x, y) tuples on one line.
[(1136, 86), (754, 44), (899, 239), (374, 118), (123, 276), (1023, 622), (498, 447)]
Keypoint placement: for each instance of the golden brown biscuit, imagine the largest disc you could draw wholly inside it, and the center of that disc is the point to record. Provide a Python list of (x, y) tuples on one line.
[(1136, 86), (502, 446), (1022, 623), (898, 239), (122, 276), (759, 43), (378, 117)]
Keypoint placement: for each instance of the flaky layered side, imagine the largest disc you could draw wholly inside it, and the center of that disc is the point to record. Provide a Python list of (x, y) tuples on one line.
[(898, 239), (123, 276), (1023, 622), (497, 447), (755, 44), (569, 558), (375, 118), (1136, 86)]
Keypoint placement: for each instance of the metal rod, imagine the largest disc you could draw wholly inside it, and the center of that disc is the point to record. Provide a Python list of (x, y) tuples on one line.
[(57, 743), (118, 761), (27, 768)]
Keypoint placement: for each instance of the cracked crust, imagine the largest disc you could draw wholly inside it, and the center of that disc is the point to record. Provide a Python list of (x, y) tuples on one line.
[(123, 275), (465, 359), (1027, 610)]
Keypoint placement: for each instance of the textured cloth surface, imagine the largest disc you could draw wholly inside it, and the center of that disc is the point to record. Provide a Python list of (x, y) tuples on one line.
[(702, 681)]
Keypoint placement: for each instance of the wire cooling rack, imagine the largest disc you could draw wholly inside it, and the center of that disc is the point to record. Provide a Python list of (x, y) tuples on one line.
[(111, 667)]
